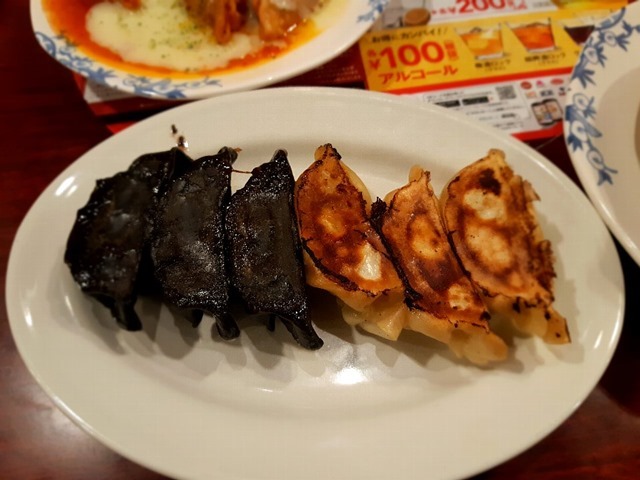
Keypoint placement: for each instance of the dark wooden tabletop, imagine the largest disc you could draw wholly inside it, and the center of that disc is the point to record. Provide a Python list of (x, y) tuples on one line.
[(45, 125)]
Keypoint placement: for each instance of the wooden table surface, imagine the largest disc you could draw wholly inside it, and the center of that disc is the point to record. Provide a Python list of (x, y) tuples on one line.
[(45, 125)]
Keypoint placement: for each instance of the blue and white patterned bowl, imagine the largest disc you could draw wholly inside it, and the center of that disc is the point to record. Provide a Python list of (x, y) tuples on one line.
[(602, 123), (351, 22)]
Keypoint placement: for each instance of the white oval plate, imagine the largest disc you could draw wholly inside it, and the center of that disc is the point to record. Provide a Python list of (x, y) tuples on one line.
[(189, 405), (352, 20), (602, 127)]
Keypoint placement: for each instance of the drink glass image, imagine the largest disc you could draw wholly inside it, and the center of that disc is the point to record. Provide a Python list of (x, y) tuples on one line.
[(415, 13), (578, 28), (535, 36), (484, 42)]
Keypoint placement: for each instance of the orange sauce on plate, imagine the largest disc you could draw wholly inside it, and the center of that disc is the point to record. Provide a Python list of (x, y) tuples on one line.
[(68, 18)]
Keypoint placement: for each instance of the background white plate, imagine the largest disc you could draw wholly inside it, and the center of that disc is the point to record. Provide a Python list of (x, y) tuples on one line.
[(192, 406), (352, 19), (602, 127)]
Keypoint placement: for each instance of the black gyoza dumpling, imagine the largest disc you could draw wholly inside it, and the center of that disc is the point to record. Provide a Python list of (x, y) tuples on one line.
[(187, 246), (107, 249), (264, 250)]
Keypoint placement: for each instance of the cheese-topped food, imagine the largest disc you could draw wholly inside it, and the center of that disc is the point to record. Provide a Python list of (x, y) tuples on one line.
[(490, 217), (162, 33), (189, 38)]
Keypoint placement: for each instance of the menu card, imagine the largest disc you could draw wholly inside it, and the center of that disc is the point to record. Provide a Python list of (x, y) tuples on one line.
[(502, 62)]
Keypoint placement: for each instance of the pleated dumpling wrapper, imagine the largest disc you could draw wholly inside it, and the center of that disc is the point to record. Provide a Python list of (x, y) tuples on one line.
[(343, 254), (442, 302), (490, 217)]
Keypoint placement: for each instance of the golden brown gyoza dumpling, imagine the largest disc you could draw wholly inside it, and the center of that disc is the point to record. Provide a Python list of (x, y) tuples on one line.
[(343, 254), (490, 217), (442, 302)]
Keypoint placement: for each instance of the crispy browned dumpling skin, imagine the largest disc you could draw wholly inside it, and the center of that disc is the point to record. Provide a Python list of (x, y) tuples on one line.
[(343, 254), (443, 302), (332, 206), (490, 216), (413, 232)]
